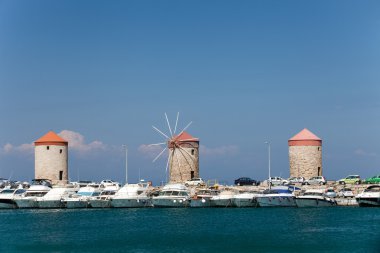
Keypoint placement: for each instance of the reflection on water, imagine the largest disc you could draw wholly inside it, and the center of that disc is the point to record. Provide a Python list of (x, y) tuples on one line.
[(191, 230)]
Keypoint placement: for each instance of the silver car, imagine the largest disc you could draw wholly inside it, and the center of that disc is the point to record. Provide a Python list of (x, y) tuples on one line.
[(316, 180)]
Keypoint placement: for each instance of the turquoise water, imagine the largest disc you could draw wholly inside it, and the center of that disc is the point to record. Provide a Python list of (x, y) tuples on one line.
[(191, 230)]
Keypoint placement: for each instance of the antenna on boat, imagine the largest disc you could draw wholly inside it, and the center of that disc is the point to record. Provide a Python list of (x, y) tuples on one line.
[(126, 163), (269, 180)]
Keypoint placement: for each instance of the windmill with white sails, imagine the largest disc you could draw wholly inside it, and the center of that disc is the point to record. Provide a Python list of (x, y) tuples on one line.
[(183, 153)]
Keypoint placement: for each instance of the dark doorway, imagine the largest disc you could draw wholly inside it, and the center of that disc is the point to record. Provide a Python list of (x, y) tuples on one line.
[(192, 174), (319, 171), (60, 175)]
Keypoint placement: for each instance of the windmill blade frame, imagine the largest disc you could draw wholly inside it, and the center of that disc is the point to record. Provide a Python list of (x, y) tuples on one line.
[(158, 130), (160, 154)]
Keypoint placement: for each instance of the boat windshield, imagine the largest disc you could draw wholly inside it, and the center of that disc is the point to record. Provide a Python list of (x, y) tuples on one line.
[(86, 193), (313, 194), (7, 191), (373, 189), (35, 194), (276, 191), (108, 193), (173, 193)]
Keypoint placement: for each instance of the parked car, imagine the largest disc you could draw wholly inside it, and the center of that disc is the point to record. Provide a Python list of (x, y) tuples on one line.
[(277, 181), (316, 180), (195, 182), (373, 180), (330, 193), (351, 179), (246, 181), (293, 180), (345, 193)]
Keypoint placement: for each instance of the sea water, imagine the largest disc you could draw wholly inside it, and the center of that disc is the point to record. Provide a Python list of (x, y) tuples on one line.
[(339, 229)]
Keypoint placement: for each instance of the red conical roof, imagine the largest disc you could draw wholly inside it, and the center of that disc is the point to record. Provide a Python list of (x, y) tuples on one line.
[(184, 136), (50, 138), (305, 138)]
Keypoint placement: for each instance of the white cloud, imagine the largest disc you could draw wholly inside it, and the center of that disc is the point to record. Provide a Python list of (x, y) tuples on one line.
[(26, 148), (229, 150), (361, 152), (150, 151), (77, 142)]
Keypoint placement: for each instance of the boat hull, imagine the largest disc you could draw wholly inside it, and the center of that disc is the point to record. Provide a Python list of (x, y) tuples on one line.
[(72, 204), (176, 203), (26, 203), (276, 201), (50, 204), (7, 204), (368, 202), (201, 202), (131, 203), (222, 202), (100, 203), (245, 202), (309, 202)]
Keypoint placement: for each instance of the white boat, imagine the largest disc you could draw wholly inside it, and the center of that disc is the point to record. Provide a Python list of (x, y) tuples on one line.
[(203, 198), (53, 199), (224, 199), (7, 197), (39, 188), (246, 199), (82, 197), (103, 200), (132, 195), (280, 196), (172, 195), (370, 197), (314, 198)]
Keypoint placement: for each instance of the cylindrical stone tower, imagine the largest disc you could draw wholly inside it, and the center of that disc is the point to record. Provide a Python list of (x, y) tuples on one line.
[(305, 155), (51, 158), (183, 158)]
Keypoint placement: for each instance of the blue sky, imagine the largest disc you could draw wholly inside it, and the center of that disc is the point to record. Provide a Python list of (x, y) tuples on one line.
[(244, 72)]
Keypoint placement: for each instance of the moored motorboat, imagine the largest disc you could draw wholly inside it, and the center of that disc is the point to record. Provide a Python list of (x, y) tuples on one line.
[(103, 200), (38, 188), (224, 198), (82, 197), (172, 195), (7, 197), (246, 199), (203, 198), (370, 197), (132, 195), (53, 199), (280, 196), (314, 198)]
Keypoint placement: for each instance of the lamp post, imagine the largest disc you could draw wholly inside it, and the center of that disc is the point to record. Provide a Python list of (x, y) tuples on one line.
[(126, 163), (268, 143)]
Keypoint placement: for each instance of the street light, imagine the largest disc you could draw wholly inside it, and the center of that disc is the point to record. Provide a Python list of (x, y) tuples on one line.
[(126, 163), (268, 143)]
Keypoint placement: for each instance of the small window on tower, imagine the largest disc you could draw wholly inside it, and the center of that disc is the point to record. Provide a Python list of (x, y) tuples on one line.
[(60, 151), (47, 147), (192, 151)]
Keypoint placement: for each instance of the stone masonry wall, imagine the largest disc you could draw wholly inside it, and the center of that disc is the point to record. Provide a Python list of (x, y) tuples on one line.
[(49, 162), (182, 163), (305, 161)]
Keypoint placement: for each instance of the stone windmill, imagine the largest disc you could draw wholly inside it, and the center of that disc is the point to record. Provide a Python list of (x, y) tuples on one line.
[(183, 153)]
